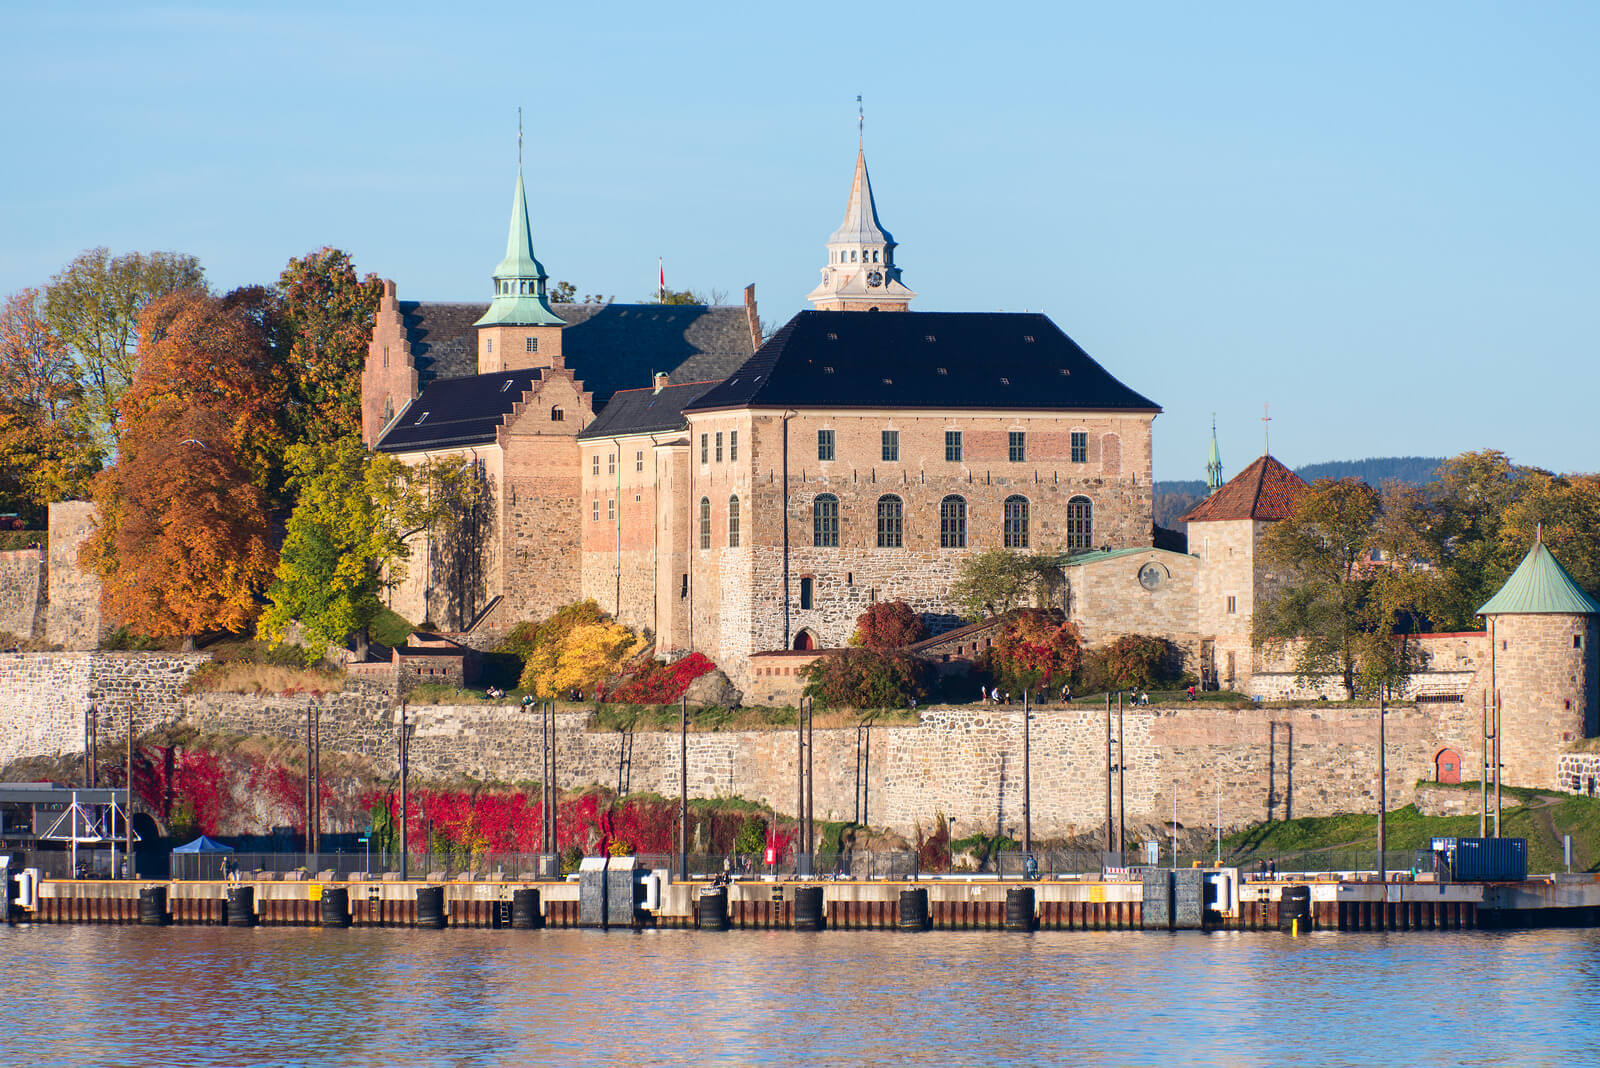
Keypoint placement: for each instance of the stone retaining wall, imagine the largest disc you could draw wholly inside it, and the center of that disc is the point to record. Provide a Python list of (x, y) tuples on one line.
[(1579, 773)]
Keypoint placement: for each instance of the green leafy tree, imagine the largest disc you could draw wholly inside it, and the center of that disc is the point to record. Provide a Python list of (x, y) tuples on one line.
[(325, 317), (1335, 610), (996, 581), (861, 678), (1036, 649), (94, 307), (349, 536)]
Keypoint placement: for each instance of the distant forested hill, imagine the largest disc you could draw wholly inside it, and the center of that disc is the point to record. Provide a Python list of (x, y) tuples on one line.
[(1173, 498), (1416, 470)]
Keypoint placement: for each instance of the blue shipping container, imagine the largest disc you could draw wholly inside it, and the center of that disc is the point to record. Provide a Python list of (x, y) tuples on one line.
[(1484, 860)]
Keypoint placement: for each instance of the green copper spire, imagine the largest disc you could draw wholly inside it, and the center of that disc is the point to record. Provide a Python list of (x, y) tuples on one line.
[(519, 281), (1214, 465), (1540, 585)]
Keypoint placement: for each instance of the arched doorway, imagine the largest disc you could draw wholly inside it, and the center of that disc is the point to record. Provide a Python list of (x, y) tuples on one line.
[(805, 641), (1447, 766)]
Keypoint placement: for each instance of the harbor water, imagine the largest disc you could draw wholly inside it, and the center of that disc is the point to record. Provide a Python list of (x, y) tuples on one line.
[(221, 996)]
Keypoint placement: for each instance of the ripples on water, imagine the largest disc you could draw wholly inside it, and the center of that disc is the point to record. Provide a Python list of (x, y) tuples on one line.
[(219, 996)]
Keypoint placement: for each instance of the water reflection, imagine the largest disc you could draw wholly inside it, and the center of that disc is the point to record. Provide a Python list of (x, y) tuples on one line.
[(216, 996)]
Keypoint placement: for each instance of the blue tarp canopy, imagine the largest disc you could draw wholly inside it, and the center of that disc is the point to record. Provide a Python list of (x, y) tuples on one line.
[(204, 845)]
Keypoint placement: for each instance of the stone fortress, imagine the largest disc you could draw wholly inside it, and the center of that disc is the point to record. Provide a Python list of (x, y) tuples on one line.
[(748, 498)]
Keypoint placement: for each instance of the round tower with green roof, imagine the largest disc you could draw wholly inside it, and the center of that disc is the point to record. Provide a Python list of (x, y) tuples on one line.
[(1543, 647)]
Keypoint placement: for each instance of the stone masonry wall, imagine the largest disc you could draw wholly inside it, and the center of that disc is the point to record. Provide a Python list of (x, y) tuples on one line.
[(965, 762), (1579, 773), (22, 592), (75, 620)]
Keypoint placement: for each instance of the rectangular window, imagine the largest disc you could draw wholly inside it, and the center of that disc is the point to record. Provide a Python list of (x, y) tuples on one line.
[(805, 593), (595, 464), (611, 463), (489, 346), (611, 510), (1233, 604), (638, 460), (1019, 446), (891, 446), (594, 514), (532, 345), (733, 446), (952, 446), (1080, 447), (683, 591), (824, 444), (705, 448), (719, 446)]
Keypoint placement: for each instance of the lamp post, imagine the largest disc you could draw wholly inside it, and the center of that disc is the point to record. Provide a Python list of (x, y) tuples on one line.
[(1027, 772)]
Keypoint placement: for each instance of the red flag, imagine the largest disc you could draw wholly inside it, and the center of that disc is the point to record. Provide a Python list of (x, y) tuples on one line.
[(662, 292)]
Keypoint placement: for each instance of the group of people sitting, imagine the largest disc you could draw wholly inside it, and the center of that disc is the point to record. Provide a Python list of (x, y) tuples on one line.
[(996, 696)]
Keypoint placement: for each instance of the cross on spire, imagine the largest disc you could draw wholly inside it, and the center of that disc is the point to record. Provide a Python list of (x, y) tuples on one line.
[(861, 121), (1266, 430)]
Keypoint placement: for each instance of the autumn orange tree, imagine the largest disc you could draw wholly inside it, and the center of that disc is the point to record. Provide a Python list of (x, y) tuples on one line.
[(326, 316), (182, 540), (46, 451)]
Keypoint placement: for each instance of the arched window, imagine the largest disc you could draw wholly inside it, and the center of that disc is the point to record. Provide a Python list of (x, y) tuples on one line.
[(733, 522), (1016, 523), (825, 521), (852, 255), (705, 522), (1080, 525), (953, 523), (891, 522)]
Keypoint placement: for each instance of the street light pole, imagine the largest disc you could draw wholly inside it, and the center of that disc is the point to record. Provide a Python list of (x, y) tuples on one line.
[(1027, 772)]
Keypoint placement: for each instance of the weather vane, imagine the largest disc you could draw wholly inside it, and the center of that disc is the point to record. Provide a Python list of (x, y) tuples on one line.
[(519, 136), (861, 119)]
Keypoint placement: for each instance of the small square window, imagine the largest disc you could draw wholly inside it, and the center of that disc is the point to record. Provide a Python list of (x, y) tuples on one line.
[(1019, 446), (891, 446), (1080, 447), (952, 446), (719, 446), (824, 444)]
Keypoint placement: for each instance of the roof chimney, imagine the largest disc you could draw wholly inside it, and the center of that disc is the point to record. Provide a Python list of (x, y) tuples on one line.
[(661, 381), (751, 317)]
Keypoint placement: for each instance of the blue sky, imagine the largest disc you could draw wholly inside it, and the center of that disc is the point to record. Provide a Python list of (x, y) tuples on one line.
[(1379, 218)]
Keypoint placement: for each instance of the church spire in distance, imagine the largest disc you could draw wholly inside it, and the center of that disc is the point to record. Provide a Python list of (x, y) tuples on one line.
[(861, 274), (1214, 464), (519, 280)]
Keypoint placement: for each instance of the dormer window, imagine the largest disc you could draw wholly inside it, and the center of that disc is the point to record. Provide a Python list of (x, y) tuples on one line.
[(421, 419)]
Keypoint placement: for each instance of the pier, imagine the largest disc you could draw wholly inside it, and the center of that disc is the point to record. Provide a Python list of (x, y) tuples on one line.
[(945, 904)]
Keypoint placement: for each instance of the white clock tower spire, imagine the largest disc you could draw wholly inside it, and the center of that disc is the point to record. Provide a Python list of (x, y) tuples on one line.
[(861, 274)]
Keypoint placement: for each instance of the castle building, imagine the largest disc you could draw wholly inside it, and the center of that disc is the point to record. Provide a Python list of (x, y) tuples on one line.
[(734, 497)]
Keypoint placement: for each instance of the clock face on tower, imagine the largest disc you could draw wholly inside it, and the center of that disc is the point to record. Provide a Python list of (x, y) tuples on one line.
[(874, 278)]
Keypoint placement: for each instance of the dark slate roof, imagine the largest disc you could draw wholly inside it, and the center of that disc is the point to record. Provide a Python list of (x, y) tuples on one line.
[(458, 411), (1264, 490), (608, 346), (970, 360), (644, 411)]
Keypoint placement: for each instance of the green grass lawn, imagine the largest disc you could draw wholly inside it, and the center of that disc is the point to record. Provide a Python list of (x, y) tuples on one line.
[(1539, 817)]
